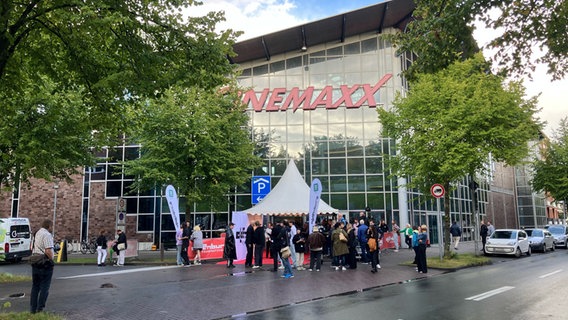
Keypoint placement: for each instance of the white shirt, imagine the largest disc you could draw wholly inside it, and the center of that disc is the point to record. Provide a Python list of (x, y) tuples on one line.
[(43, 240)]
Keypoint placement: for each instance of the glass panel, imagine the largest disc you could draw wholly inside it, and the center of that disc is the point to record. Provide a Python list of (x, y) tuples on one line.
[(375, 183), (277, 66), (352, 48), (319, 166), (145, 222), (294, 63), (337, 149), (376, 201), (260, 70), (146, 205), (354, 149), (337, 51), (338, 201), (369, 45), (356, 183), (357, 202), (295, 133), (338, 184), (355, 165), (114, 172), (337, 166), (113, 188)]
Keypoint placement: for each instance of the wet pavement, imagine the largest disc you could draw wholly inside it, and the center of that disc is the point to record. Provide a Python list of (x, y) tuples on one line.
[(146, 289)]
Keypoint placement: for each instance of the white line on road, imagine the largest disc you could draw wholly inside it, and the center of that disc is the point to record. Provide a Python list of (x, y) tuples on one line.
[(117, 272), (488, 294), (549, 274)]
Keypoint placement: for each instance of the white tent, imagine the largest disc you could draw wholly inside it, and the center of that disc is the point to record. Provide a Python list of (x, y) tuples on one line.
[(291, 196)]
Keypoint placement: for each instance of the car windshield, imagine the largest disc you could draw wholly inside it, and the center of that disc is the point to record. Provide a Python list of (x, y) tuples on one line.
[(534, 233), (503, 234), (556, 229)]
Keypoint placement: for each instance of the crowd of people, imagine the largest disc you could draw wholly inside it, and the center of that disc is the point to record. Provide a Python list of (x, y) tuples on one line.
[(287, 244)]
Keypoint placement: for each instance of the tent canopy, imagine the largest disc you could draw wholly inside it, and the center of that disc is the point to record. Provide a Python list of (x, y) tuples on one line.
[(291, 196)]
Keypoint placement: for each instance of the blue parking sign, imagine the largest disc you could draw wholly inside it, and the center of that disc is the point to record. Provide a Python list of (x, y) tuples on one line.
[(260, 188)]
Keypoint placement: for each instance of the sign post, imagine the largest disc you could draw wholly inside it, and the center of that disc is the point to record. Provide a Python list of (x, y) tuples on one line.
[(260, 188), (437, 190)]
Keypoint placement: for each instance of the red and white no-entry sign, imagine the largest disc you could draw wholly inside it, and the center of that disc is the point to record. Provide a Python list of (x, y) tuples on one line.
[(437, 190)]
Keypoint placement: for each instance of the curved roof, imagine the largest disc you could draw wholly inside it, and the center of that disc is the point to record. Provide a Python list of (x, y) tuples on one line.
[(394, 13), (291, 196)]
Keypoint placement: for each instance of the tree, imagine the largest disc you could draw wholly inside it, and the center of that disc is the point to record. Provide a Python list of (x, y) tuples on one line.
[(72, 70), (451, 121), (551, 170), (196, 140), (440, 33)]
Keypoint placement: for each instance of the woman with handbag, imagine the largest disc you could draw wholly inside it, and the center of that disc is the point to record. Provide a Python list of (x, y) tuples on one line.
[(340, 248), (120, 248), (285, 252)]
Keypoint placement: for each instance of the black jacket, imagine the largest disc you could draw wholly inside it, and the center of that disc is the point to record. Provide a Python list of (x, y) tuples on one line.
[(259, 239), (250, 235)]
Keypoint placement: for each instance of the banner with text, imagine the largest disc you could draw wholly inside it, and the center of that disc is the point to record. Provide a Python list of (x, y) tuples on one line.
[(315, 194), (173, 204)]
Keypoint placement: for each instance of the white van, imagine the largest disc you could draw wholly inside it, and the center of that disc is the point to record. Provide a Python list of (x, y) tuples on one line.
[(15, 239)]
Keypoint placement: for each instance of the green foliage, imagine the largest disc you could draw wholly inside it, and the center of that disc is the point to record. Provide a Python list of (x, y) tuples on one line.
[(551, 170), (29, 316), (440, 33), (195, 139), (452, 120), (9, 278), (72, 71)]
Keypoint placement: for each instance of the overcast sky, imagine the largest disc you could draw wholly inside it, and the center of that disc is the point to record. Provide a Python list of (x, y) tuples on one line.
[(258, 17)]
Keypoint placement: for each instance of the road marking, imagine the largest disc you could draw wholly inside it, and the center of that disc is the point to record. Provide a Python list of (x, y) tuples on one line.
[(549, 274), (88, 275), (488, 294)]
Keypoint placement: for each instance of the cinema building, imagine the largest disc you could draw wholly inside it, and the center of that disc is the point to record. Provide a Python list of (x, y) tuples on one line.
[(315, 90)]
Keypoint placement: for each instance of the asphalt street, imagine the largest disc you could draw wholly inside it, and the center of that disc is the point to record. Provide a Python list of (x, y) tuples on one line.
[(211, 291)]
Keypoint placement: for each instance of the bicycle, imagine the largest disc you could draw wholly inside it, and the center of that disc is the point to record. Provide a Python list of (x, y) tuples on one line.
[(88, 246)]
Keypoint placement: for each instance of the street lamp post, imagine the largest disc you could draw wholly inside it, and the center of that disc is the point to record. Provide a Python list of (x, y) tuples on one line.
[(55, 187)]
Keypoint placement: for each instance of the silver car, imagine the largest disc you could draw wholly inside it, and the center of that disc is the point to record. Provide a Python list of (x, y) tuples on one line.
[(508, 241), (540, 240), (560, 234)]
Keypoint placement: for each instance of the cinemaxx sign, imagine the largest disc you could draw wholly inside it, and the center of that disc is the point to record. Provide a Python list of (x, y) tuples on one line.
[(280, 99)]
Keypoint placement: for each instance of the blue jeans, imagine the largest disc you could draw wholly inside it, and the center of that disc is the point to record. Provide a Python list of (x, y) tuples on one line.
[(41, 281), (287, 266), (178, 256)]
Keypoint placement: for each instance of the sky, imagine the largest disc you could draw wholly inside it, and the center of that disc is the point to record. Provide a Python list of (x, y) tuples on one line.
[(258, 17)]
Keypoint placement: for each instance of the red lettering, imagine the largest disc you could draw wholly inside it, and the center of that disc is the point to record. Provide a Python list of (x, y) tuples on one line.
[(369, 92), (297, 100), (275, 98), (325, 99), (345, 96), (257, 104)]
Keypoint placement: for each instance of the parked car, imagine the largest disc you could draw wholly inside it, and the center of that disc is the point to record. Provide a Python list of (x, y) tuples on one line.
[(508, 241), (540, 240), (560, 233)]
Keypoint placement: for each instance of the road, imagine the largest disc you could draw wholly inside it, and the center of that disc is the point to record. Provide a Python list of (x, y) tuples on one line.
[(527, 288)]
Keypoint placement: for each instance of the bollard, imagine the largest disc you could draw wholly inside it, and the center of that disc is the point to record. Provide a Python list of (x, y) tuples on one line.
[(63, 251), (162, 252)]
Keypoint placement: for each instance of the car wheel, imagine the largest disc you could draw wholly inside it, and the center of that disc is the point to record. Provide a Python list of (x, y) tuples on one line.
[(518, 253), (553, 247), (544, 248), (529, 251)]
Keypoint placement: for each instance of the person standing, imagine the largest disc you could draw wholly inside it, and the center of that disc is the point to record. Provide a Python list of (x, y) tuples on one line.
[(249, 242), (276, 246), (179, 244), (268, 236), (421, 259), (41, 274), (293, 230), (121, 247), (284, 239), (455, 231), (395, 235), (258, 240), (362, 236), (101, 249), (483, 230), (197, 238), (490, 228), (340, 249), (316, 242), (407, 231), (299, 241), (352, 245), (373, 235), (230, 249), (186, 234)]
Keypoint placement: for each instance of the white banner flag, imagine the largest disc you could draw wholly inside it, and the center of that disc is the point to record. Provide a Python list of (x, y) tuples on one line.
[(241, 221), (173, 203), (315, 194)]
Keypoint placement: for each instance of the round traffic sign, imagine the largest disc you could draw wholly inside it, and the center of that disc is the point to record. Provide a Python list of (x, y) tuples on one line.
[(437, 190)]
